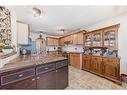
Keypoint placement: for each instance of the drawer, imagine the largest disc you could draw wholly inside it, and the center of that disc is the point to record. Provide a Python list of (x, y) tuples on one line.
[(61, 64), (45, 68), (17, 76)]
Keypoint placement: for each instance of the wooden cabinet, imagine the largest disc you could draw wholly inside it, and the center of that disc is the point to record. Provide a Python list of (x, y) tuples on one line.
[(62, 40), (112, 67), (76, 39), (110, 37), (88, 39), (55, 53), (52, 41), (86, 62), (107, 67), (75, 60), (105, 37), (97, 39), (96, 64), (22, 33)]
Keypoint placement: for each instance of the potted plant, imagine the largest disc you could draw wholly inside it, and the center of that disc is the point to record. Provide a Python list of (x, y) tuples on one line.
[(7, 49)]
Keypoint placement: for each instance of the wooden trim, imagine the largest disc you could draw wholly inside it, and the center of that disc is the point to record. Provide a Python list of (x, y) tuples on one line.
[(20, 22), (102, 29), (84, 31)]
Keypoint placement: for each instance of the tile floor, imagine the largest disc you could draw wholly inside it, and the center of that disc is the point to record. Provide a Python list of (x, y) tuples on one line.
[(82, 80)]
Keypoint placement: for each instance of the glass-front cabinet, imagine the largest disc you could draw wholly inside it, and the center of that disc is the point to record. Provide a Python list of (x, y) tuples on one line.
[(88, 40), (110, 38), (97, 39)]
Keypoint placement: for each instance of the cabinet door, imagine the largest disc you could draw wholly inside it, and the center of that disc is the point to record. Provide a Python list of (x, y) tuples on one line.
[(75, 41), (75, 60), (46, 80), (86, 63), (88, 39), (80, 38), (62, 77), (56, 42), (111, 68), (29, 83), (97, 65), (97, 39), (110, 38), (49, 41)]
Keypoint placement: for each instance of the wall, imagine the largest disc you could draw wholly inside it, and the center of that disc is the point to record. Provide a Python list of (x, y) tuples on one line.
[(122, 37)]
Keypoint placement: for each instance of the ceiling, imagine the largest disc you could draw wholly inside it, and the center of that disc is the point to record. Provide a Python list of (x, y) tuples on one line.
[(70, 18)]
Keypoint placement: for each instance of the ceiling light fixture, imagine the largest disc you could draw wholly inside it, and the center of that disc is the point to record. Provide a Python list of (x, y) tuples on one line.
[(36, 12), (62, 31)]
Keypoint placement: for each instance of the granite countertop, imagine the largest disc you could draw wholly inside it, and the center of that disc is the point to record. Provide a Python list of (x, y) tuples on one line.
[(28, 60), (2, 55)]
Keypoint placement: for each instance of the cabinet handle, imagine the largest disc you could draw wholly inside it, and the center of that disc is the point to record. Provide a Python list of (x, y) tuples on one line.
[(46, 68), (56, 70), (38, 77), (33, 79), (20, 75)]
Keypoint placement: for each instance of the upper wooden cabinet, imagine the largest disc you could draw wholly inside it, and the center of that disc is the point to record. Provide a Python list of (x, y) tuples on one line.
[(52, 41), (110, 36), (105, 37), (22, 33), (97, 39), (88, 40), (76, 39)]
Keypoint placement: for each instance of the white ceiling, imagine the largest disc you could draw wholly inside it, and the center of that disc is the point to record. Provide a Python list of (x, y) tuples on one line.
[(71, 18)]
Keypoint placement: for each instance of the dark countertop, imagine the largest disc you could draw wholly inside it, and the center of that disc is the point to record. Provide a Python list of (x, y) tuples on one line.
[(2, 55), (28, 60)]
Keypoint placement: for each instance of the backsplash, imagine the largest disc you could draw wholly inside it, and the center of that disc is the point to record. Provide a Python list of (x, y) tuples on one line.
[(73, 48)]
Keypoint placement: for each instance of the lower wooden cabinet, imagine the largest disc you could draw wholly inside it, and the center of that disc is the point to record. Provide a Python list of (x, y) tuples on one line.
[(112, 68), (75, 60), (29, 83), (62, 78), (108, 67), (96, 64), (86, 62)]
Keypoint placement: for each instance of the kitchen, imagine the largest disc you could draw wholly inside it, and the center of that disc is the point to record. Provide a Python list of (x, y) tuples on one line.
[(35, 56)]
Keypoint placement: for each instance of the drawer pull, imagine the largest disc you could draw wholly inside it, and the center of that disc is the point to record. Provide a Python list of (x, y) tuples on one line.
[(33, 79), (46, 68), (38, 77), (20, 75), (56, 70)]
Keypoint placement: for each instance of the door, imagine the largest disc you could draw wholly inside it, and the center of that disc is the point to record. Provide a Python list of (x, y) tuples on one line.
[(97, 65), (29, 83), (80, 38), (97, 39), (110, 37), (75, 60), (62, 77), (86, 62), (112, 67), (46, 80), (88, 40)]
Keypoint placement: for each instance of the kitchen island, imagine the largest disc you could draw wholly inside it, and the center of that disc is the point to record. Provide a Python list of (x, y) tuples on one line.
[(35, 72)]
